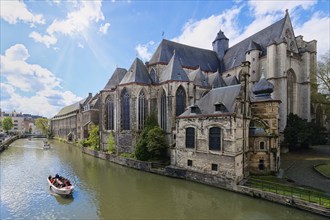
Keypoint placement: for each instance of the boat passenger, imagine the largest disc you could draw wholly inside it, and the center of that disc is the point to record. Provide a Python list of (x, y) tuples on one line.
[(57, 176)]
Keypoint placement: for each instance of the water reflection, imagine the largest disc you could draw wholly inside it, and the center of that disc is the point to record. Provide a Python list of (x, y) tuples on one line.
[(106, 190), (62, 200)]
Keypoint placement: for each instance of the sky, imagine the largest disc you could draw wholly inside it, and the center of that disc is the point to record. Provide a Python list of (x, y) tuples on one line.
[(55, 52)]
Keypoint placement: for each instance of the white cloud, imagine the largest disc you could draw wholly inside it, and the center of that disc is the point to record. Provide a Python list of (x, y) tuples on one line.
[(318, 27), (80, 45), (23, 83), (56, 2), (79, 20), (14, 11), (143, 50), (104, 28), (201, 33), (17, 52), (76, 23), (272, 7), (48, 40)]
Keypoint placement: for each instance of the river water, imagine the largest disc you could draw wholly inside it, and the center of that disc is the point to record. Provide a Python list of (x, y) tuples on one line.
[(110, 191)]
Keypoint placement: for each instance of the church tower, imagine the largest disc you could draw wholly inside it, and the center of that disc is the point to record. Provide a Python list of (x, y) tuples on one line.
[(220, 44)]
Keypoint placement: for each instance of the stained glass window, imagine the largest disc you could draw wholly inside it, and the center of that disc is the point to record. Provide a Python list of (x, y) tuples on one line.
[(109, 111), (125, 111), (163, 110), (143, 110), (180, 101)]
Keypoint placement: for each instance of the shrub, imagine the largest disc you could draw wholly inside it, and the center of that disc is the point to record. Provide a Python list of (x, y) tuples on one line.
[(156, 143), (84, 143), (127, 155), (94, 138), (151, 143), (299, 133), (111, 144)]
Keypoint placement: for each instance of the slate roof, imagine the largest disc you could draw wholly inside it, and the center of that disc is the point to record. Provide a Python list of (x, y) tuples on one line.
[(115, 79), (235, 55), (137, 73), (189, 56), (198, 78), (216, 81), (220, 36), (71, 108), (93, 103), (173, 71), (230, 80), (225, 95)]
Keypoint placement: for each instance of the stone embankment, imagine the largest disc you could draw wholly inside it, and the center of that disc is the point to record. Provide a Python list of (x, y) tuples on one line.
[(211, 180), (4, 145)]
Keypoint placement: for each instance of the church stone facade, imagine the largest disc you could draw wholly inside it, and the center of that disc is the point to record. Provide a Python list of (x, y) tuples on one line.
[(222, 110)]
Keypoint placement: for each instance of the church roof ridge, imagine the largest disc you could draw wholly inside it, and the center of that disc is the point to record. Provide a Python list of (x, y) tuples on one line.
[(137, 73), (173, 71), (115, 79), (235, 55), (198, 78), (188, 55)]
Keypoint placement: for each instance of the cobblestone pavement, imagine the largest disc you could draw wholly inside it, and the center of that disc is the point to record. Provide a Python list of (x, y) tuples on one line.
[(298, 166)]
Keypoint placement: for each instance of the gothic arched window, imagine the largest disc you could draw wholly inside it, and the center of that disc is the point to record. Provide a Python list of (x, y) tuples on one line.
[(180, 101), (142, 110), (291, 91), (125, 111), (163, 110), (109, 114), (215, 138)]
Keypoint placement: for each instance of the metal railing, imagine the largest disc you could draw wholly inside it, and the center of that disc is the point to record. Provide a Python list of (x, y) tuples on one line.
[(320, 198)]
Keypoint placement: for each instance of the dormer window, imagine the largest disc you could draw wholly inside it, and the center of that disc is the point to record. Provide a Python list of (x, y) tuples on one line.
[(220, 107), (194, 109)]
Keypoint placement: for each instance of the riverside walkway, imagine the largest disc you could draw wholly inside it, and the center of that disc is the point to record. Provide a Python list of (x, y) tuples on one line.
[(299, 167)]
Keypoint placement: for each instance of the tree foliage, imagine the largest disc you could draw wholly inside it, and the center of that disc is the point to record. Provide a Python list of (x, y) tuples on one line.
[(42, 123), (151, 143), (323, 74), (156, 143), (94, 138), (299, 133), (111, 144), (7, 123)]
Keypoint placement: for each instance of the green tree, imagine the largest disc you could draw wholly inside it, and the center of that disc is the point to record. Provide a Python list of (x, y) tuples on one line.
[(151, 143), (7, 124), (111, 144), (42, 123), (323, 76), (299, 133), (94, 138), (156, 143)]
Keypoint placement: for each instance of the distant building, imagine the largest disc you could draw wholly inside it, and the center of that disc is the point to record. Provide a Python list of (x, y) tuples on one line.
[(22, 122), (71, 122)]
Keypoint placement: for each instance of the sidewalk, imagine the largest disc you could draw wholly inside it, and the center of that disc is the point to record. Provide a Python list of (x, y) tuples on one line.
[(298, 166)]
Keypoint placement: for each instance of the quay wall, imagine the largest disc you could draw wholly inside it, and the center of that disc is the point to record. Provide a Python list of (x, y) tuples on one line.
[(4, 145), (176, 172)]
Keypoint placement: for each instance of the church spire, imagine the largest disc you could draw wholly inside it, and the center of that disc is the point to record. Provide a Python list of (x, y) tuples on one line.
[(220, 44)]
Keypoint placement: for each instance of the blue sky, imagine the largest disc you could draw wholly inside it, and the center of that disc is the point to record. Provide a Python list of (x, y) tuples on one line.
[(53, 53)]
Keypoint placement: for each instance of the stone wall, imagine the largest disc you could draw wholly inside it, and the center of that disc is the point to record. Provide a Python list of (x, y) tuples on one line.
[(284, 200), (208, 179), (227, 163)]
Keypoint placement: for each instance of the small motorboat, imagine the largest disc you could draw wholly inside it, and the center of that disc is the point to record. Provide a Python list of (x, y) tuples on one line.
[(60, 185), (46, 145)]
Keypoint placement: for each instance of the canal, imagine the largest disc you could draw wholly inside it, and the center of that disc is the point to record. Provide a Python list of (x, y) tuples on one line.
[(110, 191)]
